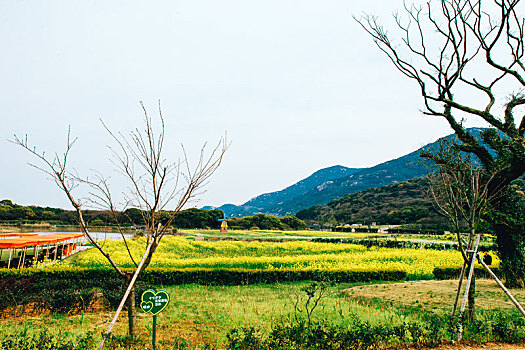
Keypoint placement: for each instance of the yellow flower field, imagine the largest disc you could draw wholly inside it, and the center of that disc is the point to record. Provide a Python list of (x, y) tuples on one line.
[(182, 252)]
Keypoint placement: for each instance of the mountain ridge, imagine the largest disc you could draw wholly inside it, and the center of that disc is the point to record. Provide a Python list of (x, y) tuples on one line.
[(258, 204), (328, 184)]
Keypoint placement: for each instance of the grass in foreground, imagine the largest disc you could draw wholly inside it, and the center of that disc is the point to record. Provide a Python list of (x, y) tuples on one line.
[(199, 315), (204, 314)]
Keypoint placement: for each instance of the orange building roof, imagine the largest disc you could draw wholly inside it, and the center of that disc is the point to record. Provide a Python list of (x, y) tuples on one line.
[(35, 240)]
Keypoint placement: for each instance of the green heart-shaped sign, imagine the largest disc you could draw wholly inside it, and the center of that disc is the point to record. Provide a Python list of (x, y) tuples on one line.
[(146, 306), (154, 302)]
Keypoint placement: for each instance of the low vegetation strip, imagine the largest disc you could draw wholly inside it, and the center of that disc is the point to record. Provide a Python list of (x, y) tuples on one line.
[(84, 278), (400, 243), (432, 331), (70, 290), (182, 253)]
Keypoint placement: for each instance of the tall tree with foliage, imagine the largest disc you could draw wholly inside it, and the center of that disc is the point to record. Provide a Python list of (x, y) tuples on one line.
[(154, 184), (467, 58)]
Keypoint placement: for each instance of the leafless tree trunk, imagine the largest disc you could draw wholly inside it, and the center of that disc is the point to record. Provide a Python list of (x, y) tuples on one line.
[(460, 191), (154, 185), (132, 311)]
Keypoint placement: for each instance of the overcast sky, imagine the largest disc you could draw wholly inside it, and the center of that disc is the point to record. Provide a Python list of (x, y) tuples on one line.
[(297, 86)]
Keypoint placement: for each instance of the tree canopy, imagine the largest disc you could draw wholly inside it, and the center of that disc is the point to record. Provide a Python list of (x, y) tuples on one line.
[(466, 57)]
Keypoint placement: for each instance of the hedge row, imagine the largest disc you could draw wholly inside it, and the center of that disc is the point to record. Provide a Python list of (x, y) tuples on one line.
[(390, 243), (453, 272), (419, 329), (173, 276)]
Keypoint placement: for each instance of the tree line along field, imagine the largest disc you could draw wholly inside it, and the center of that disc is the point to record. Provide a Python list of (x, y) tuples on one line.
[(19, 215)]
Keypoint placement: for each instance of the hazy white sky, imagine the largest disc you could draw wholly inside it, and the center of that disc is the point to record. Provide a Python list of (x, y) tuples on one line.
[(297, 85)]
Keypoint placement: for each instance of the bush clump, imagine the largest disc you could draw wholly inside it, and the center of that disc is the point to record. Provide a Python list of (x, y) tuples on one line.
[(432, 330)]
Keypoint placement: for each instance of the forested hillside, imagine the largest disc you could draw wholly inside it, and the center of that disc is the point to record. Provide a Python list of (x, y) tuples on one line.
[(407, 202), (402, 203)]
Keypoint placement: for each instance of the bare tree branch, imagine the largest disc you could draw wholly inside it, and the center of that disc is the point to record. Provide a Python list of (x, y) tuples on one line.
[(449, 47), (154, 184)]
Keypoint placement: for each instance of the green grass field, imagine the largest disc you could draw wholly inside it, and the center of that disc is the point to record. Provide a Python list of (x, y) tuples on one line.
[(199, 315)]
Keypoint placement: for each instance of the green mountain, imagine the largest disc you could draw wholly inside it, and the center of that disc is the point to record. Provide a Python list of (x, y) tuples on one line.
[(393, 171), (335, 182), (261, 203)]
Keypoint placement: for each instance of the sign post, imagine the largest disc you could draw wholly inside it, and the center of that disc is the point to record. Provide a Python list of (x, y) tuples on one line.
[(154, 302)]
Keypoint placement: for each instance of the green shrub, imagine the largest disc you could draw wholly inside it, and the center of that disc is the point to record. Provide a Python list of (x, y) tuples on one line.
[(60, 291), (108, 279), (431, 330), (391, 243), (359, 335), (170, 276)]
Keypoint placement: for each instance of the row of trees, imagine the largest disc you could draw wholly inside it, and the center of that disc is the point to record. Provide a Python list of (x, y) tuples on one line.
[(15, 213), (10, 211), (189, 218)]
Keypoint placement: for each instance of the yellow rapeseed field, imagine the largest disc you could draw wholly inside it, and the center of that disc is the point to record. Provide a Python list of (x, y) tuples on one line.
[(182, 252)]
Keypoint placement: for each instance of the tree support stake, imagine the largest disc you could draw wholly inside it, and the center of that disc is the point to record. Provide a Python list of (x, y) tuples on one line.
[(495, 278)]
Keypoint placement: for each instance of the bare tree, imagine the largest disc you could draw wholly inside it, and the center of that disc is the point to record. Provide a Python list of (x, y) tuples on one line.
[(154, 184), (460, 192), (457, 49)]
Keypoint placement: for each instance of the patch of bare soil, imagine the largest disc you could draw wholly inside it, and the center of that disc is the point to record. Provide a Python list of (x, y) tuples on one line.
[(437, 295)]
